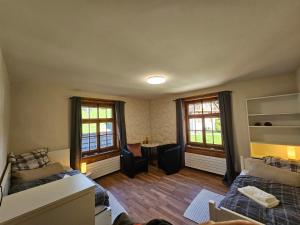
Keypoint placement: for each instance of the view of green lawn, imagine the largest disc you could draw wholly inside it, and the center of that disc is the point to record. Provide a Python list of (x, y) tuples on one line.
[(215, 138)]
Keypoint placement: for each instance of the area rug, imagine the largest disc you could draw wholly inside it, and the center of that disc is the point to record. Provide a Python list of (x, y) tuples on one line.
[(116, 207), (198, 209)]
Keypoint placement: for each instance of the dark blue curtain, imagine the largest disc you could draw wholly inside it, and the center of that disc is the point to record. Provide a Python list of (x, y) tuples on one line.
[(180, 128), (121, 125), (227, 134), (75, 145)]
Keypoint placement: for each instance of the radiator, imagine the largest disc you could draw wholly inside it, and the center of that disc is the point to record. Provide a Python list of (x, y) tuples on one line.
[(206, 163), (103, 167)]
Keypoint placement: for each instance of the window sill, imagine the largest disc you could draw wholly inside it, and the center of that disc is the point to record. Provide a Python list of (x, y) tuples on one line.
[(100, 156), (205, 151)]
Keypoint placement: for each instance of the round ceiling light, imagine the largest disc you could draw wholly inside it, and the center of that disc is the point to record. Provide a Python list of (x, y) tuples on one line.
[(157, 79)]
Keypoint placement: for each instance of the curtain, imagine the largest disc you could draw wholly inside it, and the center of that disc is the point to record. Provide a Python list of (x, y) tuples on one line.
[(180, 128), (227, 134), (120, 122), (76, 123)]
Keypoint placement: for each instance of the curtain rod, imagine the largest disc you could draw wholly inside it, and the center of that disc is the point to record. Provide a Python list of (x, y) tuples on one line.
[(97, 99), (208, 95)]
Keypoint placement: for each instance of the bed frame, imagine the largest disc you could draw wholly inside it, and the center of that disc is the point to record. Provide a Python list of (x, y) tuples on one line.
[(222, 214), (104, 217)]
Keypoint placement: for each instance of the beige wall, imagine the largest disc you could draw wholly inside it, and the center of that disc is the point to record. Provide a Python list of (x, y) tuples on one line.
[(40, 116), (298, 78), (40, 112), (4, 113), (163, 123)]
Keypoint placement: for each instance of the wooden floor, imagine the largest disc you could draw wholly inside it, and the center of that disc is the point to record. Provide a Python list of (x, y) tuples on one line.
[(156, 195)]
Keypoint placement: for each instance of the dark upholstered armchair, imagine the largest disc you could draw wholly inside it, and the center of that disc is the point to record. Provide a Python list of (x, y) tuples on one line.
[(169, 158), (130, 164)]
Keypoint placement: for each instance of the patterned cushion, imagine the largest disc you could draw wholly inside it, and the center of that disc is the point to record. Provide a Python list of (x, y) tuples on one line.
[(27, 161), (291, 165)]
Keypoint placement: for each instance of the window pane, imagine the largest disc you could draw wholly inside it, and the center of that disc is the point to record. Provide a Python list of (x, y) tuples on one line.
[(102, 128), (102, 112), (192, 125), (93, 113), (109, 140), (192, 136), (199, 137), (93, 128), (85, 129), (217, 131), (109, 128), (209, 131), (103, 141), (89, 136), (206, 107), (85, 112), (93, 142), (198, 123), (109, 113), (198, 108), (85, 143), (215, 107), (191, 109)]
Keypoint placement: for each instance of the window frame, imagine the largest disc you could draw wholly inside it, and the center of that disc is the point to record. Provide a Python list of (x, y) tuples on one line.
[(199, 99), (98, 103)]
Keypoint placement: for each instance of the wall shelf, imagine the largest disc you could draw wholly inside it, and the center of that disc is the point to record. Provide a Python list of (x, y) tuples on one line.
[(296, 126), (283, 112), (274, 114)]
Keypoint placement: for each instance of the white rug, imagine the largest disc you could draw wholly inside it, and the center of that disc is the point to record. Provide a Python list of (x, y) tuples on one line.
[(198, 210), (116, 208)]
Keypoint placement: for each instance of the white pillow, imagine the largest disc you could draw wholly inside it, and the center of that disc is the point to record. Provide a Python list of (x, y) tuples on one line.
[(259, 169)]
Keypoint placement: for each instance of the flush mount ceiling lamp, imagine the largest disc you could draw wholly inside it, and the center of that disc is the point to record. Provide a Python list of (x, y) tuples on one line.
[(156, 79)]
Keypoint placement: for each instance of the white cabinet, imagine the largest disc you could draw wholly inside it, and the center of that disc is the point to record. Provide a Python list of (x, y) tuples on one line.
[(66, 201)]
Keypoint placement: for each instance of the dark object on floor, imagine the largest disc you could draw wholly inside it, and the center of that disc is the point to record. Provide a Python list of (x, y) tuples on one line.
[(131, 164), (169, 158), (123, 219), (268, 124), (257, 124)]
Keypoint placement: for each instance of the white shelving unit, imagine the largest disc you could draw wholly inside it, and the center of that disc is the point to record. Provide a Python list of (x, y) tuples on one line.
[(283, 111)]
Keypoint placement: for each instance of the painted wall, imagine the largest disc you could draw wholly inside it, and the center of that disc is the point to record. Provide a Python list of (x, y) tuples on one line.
[(4, 113), (163, 114), (40, 113), (298, 78)]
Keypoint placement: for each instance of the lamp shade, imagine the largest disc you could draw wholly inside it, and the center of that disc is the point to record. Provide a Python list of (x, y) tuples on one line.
[(291, 152), (83, 167)]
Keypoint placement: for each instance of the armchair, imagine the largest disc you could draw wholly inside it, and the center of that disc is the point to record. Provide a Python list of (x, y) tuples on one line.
[(169, 158), (130, 164)]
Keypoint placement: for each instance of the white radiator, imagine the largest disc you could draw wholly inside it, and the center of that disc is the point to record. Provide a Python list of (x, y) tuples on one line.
[(206, 163), (103, 167)]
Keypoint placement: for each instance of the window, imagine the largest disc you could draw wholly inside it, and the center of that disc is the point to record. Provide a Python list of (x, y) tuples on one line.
[(98, 127), (203, 123)]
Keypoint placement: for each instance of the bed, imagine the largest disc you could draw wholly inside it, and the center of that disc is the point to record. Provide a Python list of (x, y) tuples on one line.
[(102, 209), (237, 206)]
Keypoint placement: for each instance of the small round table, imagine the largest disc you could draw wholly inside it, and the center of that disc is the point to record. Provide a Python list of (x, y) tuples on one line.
[(152, 147)]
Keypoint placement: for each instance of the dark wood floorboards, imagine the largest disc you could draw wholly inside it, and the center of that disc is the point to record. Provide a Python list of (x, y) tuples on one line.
[(156, 195)]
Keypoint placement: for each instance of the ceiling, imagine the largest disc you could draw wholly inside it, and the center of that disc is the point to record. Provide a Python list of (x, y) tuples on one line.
[(112, 46)]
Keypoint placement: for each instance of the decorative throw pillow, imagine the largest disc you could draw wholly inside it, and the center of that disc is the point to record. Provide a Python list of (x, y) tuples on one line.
[(135, 149), (27, 161), (291, 165), (275, 174), (35, 174)]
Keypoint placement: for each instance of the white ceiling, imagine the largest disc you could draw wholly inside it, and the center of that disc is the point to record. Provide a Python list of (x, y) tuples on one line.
[(111, 46)]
